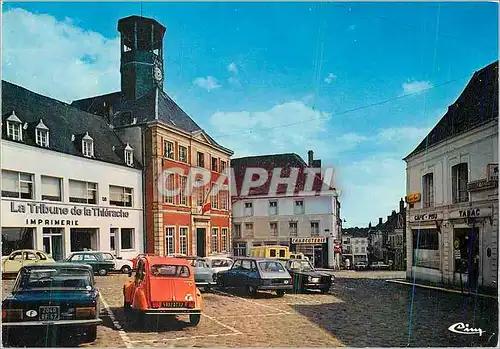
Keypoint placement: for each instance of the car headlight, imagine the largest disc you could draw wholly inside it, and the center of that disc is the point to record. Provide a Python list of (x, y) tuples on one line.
[(189, 297), (332, 278), (309, 278)]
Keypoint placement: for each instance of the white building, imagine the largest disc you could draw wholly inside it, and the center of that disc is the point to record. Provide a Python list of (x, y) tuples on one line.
[(355, 245), (307, 223), (452, 187), (68, 183)]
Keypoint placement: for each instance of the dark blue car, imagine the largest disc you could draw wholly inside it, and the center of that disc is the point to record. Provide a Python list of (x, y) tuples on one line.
[(59, 298)]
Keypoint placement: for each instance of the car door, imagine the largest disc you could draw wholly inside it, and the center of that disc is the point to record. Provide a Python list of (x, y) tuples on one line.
[(13, 263), (232, 274), (91, 260), (244, 276), (30, 258), (109, 257), (253, 276)]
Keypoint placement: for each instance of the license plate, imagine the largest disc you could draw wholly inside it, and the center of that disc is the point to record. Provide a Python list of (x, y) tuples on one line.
[(316, 280), (49, 313), (173, 305)]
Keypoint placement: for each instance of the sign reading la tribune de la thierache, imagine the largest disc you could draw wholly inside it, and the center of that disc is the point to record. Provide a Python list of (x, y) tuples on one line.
[(33, 208)]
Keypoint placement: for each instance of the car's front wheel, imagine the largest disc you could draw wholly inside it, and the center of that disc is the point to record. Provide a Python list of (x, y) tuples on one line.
[(194, 319), (91, 334), (280, 293), (251, 290), (125, 269)]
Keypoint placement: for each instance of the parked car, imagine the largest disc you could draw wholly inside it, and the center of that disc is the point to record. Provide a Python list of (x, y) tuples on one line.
[(122, 265), (52, 295), (12, 263), (205, 277), (256, 274), (134, 260), (379, 266), (94, 259), (162, 286), (218, 264), (360, 266), (305, 277)]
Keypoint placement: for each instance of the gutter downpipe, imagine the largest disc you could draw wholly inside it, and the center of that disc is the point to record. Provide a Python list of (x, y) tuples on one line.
[(144, 202)]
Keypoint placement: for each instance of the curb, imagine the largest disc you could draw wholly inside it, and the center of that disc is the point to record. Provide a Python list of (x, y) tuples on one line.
[(442, 289)]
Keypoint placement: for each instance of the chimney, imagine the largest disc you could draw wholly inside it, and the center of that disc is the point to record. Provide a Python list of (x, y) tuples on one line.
[(393, 213), (380, 220), (310, 158), (401, 205)]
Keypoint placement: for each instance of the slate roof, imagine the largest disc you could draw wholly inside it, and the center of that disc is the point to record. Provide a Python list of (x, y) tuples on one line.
[(285, 161), (355, 232), (477, 105), (63, 122), (154, 106)]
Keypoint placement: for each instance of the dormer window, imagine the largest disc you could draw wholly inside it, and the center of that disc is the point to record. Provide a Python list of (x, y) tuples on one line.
[(87, 146), (14, 127), (42, 134), (129, 155)]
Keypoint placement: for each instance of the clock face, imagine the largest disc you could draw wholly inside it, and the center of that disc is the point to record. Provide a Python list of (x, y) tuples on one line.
[(158, 74)]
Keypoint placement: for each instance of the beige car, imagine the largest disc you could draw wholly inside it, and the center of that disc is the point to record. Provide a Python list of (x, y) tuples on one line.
[(20, 258)]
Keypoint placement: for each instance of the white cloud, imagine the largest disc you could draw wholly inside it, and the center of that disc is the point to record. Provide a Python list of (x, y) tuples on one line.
[(416, 86), (57, 58), (352, 27), (329, 79), (352, 138), (232, 68), (209, 83), (410, 135)]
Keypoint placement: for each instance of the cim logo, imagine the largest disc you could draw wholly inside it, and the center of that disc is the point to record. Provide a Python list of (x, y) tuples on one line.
[(31, 313), (462, 328)]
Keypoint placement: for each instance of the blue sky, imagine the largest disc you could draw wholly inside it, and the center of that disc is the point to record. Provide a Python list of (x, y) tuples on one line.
[(241, 67)]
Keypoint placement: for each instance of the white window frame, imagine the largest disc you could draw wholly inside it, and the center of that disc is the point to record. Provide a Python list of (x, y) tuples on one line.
[(132, 239), (313, 233), (237, 230), (183, 158), (11, 130), (294, 231), (88, 189), (248, 232), (170, 176), (428, 190), (248, 209), (198, 158), (168, 149), (88, 148), (60, 199), (224, 235), (214, 240), (168, 237), (296, 209), (20, 182), (42, 137), (214, 198), (456, 180), (224, 199), (125, 192), (273, 231), (223, 166), (182, 190), (129, 157), (212, 167), (200, 193), (273, 208), (183, 240)]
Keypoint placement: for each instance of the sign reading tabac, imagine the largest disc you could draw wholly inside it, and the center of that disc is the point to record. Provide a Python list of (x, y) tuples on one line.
[(473, 212), (320, 240), (412, 198)]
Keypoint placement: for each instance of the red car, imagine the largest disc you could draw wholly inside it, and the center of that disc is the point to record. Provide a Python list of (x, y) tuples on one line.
[(134, 260)]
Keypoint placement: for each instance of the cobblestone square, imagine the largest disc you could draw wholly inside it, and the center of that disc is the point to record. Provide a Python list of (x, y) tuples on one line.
[(362, 310)]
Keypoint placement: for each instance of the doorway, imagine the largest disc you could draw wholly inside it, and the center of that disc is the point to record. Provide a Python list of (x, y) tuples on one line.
[(200, 242), (53, 243), (466, 255)]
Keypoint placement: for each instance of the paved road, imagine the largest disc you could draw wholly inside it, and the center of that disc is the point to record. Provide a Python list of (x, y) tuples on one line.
[(362, 311)]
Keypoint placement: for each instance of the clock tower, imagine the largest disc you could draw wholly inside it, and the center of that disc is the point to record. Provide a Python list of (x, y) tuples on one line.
[(141, 62)]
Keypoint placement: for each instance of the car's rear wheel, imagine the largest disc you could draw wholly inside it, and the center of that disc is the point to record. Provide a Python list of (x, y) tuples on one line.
[(91, 334), (103, 272), (194, 319), (125, 269), (280, 293), (251, 290)]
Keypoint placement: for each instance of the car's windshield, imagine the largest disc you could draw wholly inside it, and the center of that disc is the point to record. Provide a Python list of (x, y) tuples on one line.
[(271, 267), (167, 270), (218, 263), (56, 279), (301, 265), (198, 263)]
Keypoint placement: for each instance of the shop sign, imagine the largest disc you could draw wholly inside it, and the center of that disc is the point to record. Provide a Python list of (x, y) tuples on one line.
[(52, 211), (472, 213), (492, 172), (320, 240), (482, 184), (412, 198), (426, 217)]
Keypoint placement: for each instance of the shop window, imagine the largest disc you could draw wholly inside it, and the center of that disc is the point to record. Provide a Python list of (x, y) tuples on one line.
[(84, 239), (182, 190), (428, 190), (51, 188), (273, 208), (463, 248), (426, 248), (273, 228), (293, 228), (314, 228), (120, 196), (237, 231), (17, 239), (169, 240), (224, 239), (460, 177), (248, 229), (82, 192), (183, 154), (127, 238), (298, 207), (17, 185), (215, 239), (168, 149), (183, 232), (248, 209)]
